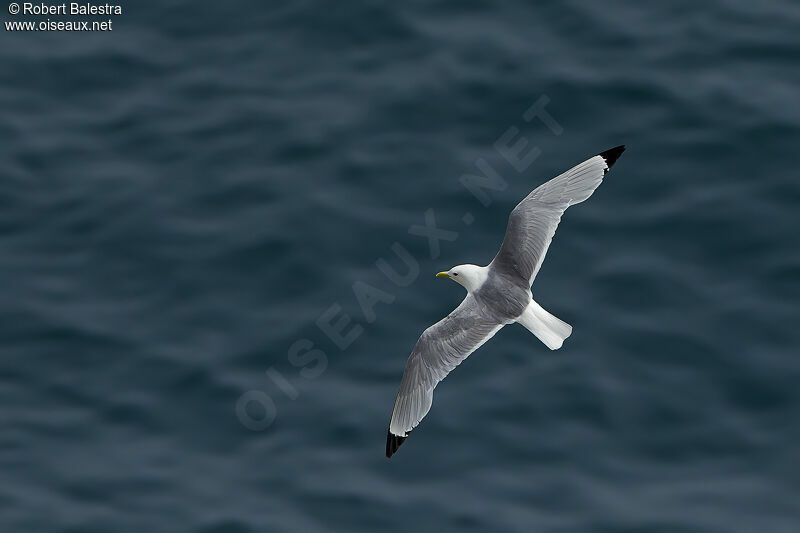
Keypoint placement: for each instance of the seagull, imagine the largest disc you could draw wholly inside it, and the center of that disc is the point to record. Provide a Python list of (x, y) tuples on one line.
[(497, 294)]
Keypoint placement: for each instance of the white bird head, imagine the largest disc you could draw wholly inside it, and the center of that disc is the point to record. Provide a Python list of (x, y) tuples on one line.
[(471, 277)]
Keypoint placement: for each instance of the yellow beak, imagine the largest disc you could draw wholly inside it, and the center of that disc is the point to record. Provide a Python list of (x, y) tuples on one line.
[(442, 275)]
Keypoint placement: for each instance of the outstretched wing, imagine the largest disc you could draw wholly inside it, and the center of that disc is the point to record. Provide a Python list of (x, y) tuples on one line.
[(533, 222), (441, 348)]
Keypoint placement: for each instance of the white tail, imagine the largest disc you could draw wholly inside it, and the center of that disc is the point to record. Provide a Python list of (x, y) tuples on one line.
[(549, 329)]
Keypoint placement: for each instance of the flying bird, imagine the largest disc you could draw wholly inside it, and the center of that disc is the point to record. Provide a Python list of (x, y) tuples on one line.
[(497, 294)]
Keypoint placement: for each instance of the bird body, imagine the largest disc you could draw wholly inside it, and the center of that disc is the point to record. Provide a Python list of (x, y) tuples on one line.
[(497, 294)]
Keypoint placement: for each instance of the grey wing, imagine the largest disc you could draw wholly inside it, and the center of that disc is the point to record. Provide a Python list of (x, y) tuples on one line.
[(534, 220), (441, 348)]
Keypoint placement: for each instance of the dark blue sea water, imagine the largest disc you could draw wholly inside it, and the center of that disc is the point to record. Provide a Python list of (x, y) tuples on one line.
[(187, 200)]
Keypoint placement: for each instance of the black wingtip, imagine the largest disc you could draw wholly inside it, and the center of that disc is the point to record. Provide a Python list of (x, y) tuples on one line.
[(392, 443), (612, 155)]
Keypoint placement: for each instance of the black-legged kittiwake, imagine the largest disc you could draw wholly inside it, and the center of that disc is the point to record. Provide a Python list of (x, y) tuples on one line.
[(497, 294)]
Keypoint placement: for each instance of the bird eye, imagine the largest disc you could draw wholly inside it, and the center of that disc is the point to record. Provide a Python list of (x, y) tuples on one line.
[(455, 273)]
